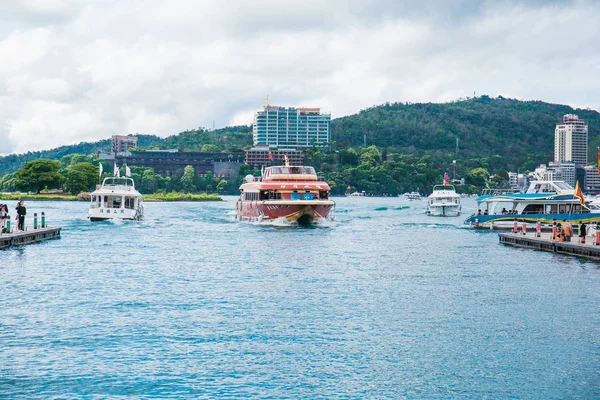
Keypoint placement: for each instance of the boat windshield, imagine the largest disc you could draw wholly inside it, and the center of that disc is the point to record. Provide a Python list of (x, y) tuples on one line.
[(443, 187), (111, 182), (293, 170)]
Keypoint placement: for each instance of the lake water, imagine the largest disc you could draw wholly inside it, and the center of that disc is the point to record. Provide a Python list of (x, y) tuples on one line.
[(385, 302)]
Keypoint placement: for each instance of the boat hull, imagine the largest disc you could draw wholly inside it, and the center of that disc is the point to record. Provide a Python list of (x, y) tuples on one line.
[(301, 212), (452, 210), (546, 220)]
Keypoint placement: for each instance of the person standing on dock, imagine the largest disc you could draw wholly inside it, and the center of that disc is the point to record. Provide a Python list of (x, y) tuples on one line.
[(21, 212), (567, 230), (3, 216), (582, 231)]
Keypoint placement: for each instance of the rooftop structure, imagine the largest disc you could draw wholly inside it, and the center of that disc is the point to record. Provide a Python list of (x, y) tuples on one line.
[(120, 143)]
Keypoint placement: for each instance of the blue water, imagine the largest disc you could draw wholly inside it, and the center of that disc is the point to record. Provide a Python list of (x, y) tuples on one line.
[(385, 302)]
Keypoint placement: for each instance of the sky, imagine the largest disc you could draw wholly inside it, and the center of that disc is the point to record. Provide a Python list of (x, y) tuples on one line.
[(73, 71)]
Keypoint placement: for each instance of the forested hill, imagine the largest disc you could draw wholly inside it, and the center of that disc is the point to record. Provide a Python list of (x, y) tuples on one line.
[(520, 132), (496, 133), (13, 162)]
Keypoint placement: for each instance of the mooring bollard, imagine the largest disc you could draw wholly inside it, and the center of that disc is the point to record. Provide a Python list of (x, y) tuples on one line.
[(515, 226), (538, 229), (35, 221), (524, 228), (597, 238), (8, 224), (43, 220)]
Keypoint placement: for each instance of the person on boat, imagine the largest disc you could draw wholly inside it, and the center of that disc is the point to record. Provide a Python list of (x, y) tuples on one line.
[(485, 212), (21, 212), (504, 211), (567, 230), (582, 231), (479, 212)]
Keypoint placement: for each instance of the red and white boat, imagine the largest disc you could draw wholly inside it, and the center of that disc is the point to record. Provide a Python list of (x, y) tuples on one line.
[(285, 192)]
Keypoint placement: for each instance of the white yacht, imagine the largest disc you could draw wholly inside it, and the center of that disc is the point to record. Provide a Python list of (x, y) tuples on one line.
[(412, 196), (116, 199), (443, 201)]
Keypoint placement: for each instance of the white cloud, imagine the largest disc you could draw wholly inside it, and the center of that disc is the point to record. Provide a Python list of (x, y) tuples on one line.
[(85, 70)]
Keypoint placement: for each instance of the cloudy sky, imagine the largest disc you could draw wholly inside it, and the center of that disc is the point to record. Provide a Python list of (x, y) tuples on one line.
[(82, 70)]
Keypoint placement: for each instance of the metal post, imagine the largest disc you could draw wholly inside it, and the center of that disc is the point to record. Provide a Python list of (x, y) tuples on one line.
[(43, 220), (35, 221), (8, 224)]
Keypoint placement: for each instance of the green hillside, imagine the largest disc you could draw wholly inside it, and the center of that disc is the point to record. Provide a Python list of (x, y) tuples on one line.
[(409, 146), (520, 132)]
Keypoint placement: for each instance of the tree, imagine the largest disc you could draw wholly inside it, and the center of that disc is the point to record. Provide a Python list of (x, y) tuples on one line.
[(210, 148), (187, 180), (81, 177), (39, 174)]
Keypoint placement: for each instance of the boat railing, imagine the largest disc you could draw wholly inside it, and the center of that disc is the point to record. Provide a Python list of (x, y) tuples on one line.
[(496, 192)]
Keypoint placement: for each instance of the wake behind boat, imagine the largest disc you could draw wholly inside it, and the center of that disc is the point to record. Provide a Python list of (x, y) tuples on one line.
[(293, 193), (116, 199)]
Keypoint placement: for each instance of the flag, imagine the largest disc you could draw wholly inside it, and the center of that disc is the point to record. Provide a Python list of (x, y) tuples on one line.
[(446, 179), (127, 171), (100, 169), (117, 171), (270, 156), (579, 194)]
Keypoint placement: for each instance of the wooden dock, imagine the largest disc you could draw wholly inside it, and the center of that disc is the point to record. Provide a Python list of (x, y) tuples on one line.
[(18, 238), (545, 242)]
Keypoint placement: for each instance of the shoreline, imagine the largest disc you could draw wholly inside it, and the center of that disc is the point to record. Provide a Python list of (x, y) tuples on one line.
[(148, 198)]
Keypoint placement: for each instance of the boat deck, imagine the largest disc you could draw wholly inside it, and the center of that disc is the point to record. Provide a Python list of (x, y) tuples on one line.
[(29, 236), (545, 242)]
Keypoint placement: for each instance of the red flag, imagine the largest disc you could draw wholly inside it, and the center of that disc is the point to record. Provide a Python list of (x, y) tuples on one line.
[(270, 156), (579, 194)]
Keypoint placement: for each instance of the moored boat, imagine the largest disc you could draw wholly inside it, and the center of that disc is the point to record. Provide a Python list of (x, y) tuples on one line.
[(443, 201), (544, 201), (292, 193), (116, 198)]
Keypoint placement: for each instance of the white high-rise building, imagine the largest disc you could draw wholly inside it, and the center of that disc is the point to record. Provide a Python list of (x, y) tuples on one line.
[(571, 141)]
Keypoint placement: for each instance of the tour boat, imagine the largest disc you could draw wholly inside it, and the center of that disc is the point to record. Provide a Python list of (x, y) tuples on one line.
[(444, 201), (291, 193), (544, 201), (116, 199)]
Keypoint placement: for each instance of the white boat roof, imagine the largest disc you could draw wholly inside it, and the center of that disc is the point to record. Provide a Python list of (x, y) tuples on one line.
[(443, 191), (116, 184)]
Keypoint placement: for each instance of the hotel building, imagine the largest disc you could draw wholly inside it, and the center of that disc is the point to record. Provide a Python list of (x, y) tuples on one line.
[(571, 141), (291, 128)]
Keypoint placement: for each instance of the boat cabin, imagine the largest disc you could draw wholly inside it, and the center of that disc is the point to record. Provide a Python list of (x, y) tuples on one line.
[(285, 173), (118, 193), (287, 183)]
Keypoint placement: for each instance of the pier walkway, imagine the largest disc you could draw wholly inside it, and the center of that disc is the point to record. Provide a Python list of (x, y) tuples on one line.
[(545, 242), (30, 235)]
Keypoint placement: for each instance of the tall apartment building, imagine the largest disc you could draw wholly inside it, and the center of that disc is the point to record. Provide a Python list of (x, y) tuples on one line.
[(122, 144), (571, 141), (276, 126)]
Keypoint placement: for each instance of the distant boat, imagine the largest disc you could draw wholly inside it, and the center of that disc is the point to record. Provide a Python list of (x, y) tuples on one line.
[(444, 201), (356, 194), (412, 196), (116, 199)]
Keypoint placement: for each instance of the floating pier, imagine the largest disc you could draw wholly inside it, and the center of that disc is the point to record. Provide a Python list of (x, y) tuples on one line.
[(588, 249), (28, 236)]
